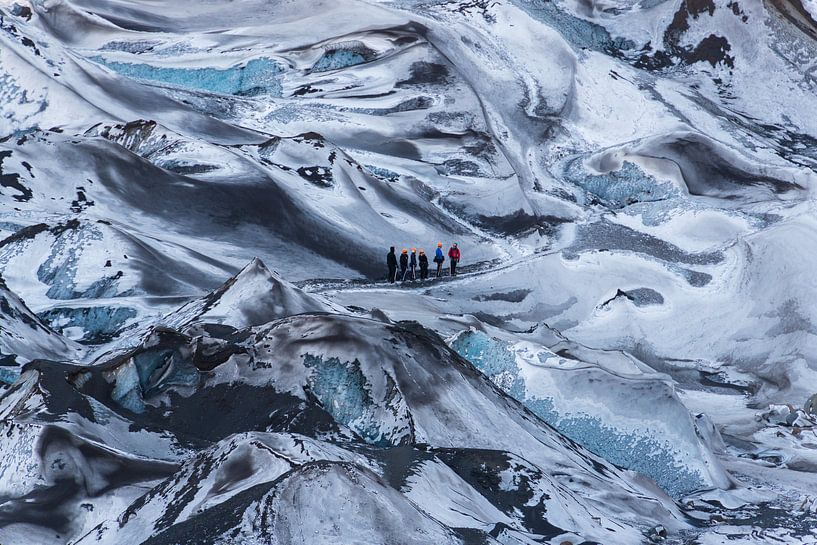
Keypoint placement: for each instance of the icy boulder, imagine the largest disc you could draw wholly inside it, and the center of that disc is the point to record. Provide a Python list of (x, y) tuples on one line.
[(142, 137), (634, 421), (254, 296), (786, 415), (617, 188)]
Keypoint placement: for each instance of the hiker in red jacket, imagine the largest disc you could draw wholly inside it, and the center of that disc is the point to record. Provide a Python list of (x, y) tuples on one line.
[(454, 258)]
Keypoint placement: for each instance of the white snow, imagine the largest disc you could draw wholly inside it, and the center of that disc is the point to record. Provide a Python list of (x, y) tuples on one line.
[(631, 184)]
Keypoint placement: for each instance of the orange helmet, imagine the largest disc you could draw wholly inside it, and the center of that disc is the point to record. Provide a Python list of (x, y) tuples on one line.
[(439, 245), (404, 251), (414, 249)]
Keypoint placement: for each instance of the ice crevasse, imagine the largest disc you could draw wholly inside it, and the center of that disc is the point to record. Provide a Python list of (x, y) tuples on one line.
[(636, 422)]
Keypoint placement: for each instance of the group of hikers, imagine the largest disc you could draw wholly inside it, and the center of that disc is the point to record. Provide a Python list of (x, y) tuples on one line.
[(409, 263)]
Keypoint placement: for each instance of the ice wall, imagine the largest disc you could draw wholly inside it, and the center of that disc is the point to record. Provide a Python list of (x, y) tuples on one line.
[(636, 422), (256, 77)]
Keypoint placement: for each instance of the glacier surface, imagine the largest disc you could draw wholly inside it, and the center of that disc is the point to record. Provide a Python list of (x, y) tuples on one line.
[(197, 344)]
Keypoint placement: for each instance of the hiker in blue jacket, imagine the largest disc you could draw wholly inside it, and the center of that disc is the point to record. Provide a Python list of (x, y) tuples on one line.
[(439, 259)]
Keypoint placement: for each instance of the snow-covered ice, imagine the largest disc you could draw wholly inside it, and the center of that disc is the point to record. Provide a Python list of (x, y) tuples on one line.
[(196, 341)]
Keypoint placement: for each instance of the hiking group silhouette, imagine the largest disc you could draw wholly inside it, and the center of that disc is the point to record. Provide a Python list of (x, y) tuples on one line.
[(405, 268)]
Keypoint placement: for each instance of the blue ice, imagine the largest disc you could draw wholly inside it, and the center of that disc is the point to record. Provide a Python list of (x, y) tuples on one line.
[(8, 375), (98, 323), (383, 173), (338, 58), (256, 77), (127, 390), (344, 393), (622, 187), (643, 453)]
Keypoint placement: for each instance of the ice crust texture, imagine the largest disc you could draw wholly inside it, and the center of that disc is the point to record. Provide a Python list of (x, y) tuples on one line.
[(627, 426), (256, 77)]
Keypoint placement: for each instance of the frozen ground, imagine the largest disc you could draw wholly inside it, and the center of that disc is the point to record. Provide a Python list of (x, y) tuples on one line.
[(627, 356)]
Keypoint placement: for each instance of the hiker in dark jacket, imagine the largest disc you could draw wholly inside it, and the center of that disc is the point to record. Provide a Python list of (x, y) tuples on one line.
[(403, 264), (413, 264), (391, 261), (423, 259), (439, 259), (454, 258)]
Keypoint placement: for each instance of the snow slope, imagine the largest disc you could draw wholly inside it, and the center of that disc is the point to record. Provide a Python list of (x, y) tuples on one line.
[(191, 406), (631, 184), (25, 337)]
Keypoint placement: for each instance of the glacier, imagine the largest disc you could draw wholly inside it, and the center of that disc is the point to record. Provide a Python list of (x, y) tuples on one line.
[(197, 341)]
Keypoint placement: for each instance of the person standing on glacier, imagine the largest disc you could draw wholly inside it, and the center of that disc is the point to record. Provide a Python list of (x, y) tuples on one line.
[(454, 258), (391, 261), (439, 259), (403, 264), (423, 259), (413, 264)]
